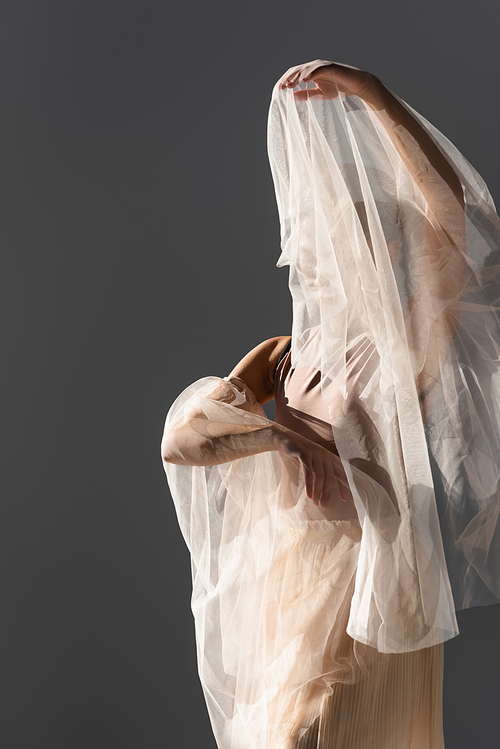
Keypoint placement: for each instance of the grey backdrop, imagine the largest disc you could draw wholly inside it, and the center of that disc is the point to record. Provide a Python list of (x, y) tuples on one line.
[(138, 241)]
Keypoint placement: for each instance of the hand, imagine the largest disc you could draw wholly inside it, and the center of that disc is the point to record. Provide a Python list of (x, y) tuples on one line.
[(329, 77), (322, 469)]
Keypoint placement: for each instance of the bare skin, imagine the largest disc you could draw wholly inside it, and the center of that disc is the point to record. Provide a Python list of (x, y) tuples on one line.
[(200, 443), (257, 370), (257, 367)]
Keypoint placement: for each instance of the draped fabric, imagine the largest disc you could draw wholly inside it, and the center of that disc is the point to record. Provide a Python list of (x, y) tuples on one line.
[(273, 581), (391, 289), (394, 280)]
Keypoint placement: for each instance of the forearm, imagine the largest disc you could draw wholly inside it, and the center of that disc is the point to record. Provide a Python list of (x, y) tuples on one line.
[(422, 157), (442, 258), (203, 443)]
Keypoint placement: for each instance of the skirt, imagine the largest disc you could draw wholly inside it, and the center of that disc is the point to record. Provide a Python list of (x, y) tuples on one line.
[(325, 690)]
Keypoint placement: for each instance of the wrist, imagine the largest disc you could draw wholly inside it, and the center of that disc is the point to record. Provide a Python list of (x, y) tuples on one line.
[(373, 90)]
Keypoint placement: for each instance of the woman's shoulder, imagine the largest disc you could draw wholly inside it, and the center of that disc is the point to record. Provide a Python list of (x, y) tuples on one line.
[(258, 366)]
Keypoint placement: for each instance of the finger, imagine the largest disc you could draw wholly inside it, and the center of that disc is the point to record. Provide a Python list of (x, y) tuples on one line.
[(344, 491), (309, 479), (290, 79), (319, 480), (307, 93), (296, 75), (329, 487), (293, 77), (308, 70), (311, 93)]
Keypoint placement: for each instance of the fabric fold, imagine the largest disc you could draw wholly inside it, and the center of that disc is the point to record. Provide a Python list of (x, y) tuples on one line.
[(394, 274)]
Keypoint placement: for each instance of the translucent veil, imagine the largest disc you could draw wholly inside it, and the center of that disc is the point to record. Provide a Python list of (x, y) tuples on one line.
[(396, 303), (394, 280)]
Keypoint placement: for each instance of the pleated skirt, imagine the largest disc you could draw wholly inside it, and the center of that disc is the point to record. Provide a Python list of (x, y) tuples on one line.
[(327, 691)]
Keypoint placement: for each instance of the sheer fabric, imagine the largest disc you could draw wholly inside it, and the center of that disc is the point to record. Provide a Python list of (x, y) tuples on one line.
[(395, 302), (367, 699), (302, 617), (273, 580)]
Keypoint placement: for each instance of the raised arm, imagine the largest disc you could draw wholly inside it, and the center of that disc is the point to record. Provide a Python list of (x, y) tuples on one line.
[(422, 157), (441, 261)]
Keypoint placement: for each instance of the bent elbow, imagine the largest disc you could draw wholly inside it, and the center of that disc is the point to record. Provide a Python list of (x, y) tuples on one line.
[(184, 446), (169, 450), (181, 449)]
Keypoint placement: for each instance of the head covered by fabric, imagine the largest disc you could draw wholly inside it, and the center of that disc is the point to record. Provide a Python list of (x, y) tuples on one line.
[(396, 303)]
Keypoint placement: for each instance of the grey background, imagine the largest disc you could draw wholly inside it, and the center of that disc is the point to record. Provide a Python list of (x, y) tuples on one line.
[(138, 241)]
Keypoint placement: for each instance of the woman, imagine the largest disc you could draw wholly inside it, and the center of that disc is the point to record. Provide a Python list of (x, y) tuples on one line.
[(324, 582)]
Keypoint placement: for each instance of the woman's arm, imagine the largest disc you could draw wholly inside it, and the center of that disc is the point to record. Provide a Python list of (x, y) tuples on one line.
[(257, 368), (200, 441), (422, 157), (441, 261)]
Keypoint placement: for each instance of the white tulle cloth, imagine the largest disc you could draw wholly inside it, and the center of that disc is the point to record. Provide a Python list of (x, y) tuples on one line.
[(395, 297)]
